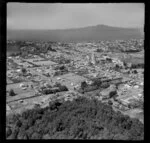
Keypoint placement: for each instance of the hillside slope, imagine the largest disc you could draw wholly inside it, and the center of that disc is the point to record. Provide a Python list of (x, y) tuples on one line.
[(96, 33), (78, 119)]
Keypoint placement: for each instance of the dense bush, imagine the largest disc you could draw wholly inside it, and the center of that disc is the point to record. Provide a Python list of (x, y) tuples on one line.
[(80, 119), (140, 65), (22, 49), (51, 90)]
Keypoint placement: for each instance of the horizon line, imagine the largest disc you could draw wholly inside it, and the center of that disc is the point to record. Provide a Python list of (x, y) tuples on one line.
[(136, 27)]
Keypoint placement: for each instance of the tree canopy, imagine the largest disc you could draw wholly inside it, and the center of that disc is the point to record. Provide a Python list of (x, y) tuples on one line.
[(81, 118)]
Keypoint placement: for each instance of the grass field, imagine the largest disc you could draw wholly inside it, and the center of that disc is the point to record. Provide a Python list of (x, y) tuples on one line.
[(44, 63), (20, 96), (134, 60)]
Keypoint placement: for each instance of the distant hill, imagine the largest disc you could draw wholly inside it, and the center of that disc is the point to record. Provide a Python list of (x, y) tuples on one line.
[(91, 33)]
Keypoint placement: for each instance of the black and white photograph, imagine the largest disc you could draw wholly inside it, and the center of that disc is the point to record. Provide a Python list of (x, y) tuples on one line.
[(75, 71)]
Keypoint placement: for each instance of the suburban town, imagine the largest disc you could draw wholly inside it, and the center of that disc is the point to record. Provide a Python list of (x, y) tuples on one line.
[(75, 71), (66, 71)]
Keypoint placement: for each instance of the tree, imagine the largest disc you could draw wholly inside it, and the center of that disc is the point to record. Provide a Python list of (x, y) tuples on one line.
[(117, 67), (11, 92), (97, 82), (110, 102), (23, 70), (99, 50), (105, 85), (135, 71), (83, 85), (124, 64), (62, 67), (63, 88), (18, 123), (8, 132), (112, 93)]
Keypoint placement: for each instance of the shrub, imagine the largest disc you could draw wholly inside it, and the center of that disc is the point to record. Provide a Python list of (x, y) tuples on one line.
[(83, 85), (63, 88), (11, 92), (8, 132)]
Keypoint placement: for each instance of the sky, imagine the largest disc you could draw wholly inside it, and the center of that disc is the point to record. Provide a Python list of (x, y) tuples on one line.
[(65, 16)]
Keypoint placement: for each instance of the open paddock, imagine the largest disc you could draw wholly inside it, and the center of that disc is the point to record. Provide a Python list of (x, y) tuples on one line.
[(131, 93), (34, 59), (135, 113), (29, 103), (17, 89), (9, 81), (46, 63), (20, 96), (70, 78)]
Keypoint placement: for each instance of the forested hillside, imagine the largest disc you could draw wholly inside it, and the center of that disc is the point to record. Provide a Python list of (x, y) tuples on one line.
[(78, 119)]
